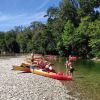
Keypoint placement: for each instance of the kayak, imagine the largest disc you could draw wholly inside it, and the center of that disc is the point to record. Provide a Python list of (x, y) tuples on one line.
[(73, 58), (21, 68), (58, 76), (51, 74), (26, 67), (40, 72)]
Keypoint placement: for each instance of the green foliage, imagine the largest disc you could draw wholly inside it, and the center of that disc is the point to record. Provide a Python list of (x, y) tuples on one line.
[(94, 33), (88, 6), (22, 41), (2, 43), (67, 35), (11, 43), (68, 12), (68, 30), (52, 13), (82, 37)]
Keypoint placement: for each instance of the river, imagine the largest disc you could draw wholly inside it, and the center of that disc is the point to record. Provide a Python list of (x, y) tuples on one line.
[(86, 80)]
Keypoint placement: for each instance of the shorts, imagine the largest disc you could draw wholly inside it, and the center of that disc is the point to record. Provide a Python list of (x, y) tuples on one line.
[(71, 70), (31, 67)]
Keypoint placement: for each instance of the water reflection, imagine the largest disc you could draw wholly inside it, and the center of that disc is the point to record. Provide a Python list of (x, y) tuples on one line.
[(82, 67)]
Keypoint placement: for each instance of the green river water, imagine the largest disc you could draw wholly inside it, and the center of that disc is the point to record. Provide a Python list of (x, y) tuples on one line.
[(86, 79)]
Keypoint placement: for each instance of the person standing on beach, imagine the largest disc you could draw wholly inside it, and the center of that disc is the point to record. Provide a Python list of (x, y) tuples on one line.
[(69, 67), (32, 56)]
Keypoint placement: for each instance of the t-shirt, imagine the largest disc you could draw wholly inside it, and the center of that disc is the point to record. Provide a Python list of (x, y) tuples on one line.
[(50, 67)]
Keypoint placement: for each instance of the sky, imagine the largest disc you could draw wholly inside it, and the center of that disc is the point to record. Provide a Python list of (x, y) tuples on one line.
[(23, 12)]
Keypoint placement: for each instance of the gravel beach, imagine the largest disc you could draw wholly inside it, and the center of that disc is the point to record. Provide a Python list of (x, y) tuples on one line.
[(16, 85)]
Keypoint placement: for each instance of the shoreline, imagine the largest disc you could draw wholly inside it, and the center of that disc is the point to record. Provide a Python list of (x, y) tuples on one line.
[(15, 85), (96, 59)]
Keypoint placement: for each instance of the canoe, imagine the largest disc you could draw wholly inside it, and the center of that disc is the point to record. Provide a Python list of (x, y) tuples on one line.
[(51, 74)]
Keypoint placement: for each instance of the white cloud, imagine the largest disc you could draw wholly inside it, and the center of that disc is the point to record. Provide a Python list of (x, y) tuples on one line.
[(9, 21), (21, 17), (4, 18), (42, 5)]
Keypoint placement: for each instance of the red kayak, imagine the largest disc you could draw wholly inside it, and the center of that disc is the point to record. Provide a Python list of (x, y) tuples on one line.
[(73, 58), (60, 76)]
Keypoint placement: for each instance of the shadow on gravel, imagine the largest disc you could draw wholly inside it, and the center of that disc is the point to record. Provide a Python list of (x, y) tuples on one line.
[(23, 72)]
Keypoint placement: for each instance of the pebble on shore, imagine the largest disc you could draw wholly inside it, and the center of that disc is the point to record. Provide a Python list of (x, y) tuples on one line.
[(15, 85)]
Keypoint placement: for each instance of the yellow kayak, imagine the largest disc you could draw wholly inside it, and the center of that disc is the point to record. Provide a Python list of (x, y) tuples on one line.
[(20, 68), (40, 72), (57, 76)]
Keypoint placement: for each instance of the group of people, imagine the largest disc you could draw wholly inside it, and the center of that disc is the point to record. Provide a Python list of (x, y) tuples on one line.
[(46, 66), (42, 64)]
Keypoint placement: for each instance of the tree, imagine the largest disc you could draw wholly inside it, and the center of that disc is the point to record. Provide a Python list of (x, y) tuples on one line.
[(18, 29), (36, 25), (94, 33), (68, 12), (88, 6), (68, 36), (2, 43), (82, 37), (11, 43), (22, 41), (52, 13)]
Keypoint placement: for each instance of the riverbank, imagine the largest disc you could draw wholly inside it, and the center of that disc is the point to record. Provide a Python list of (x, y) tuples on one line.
[(15, 85), (96, 59)]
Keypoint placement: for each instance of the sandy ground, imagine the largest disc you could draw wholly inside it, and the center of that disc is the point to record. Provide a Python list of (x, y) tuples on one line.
[(15, 85)]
